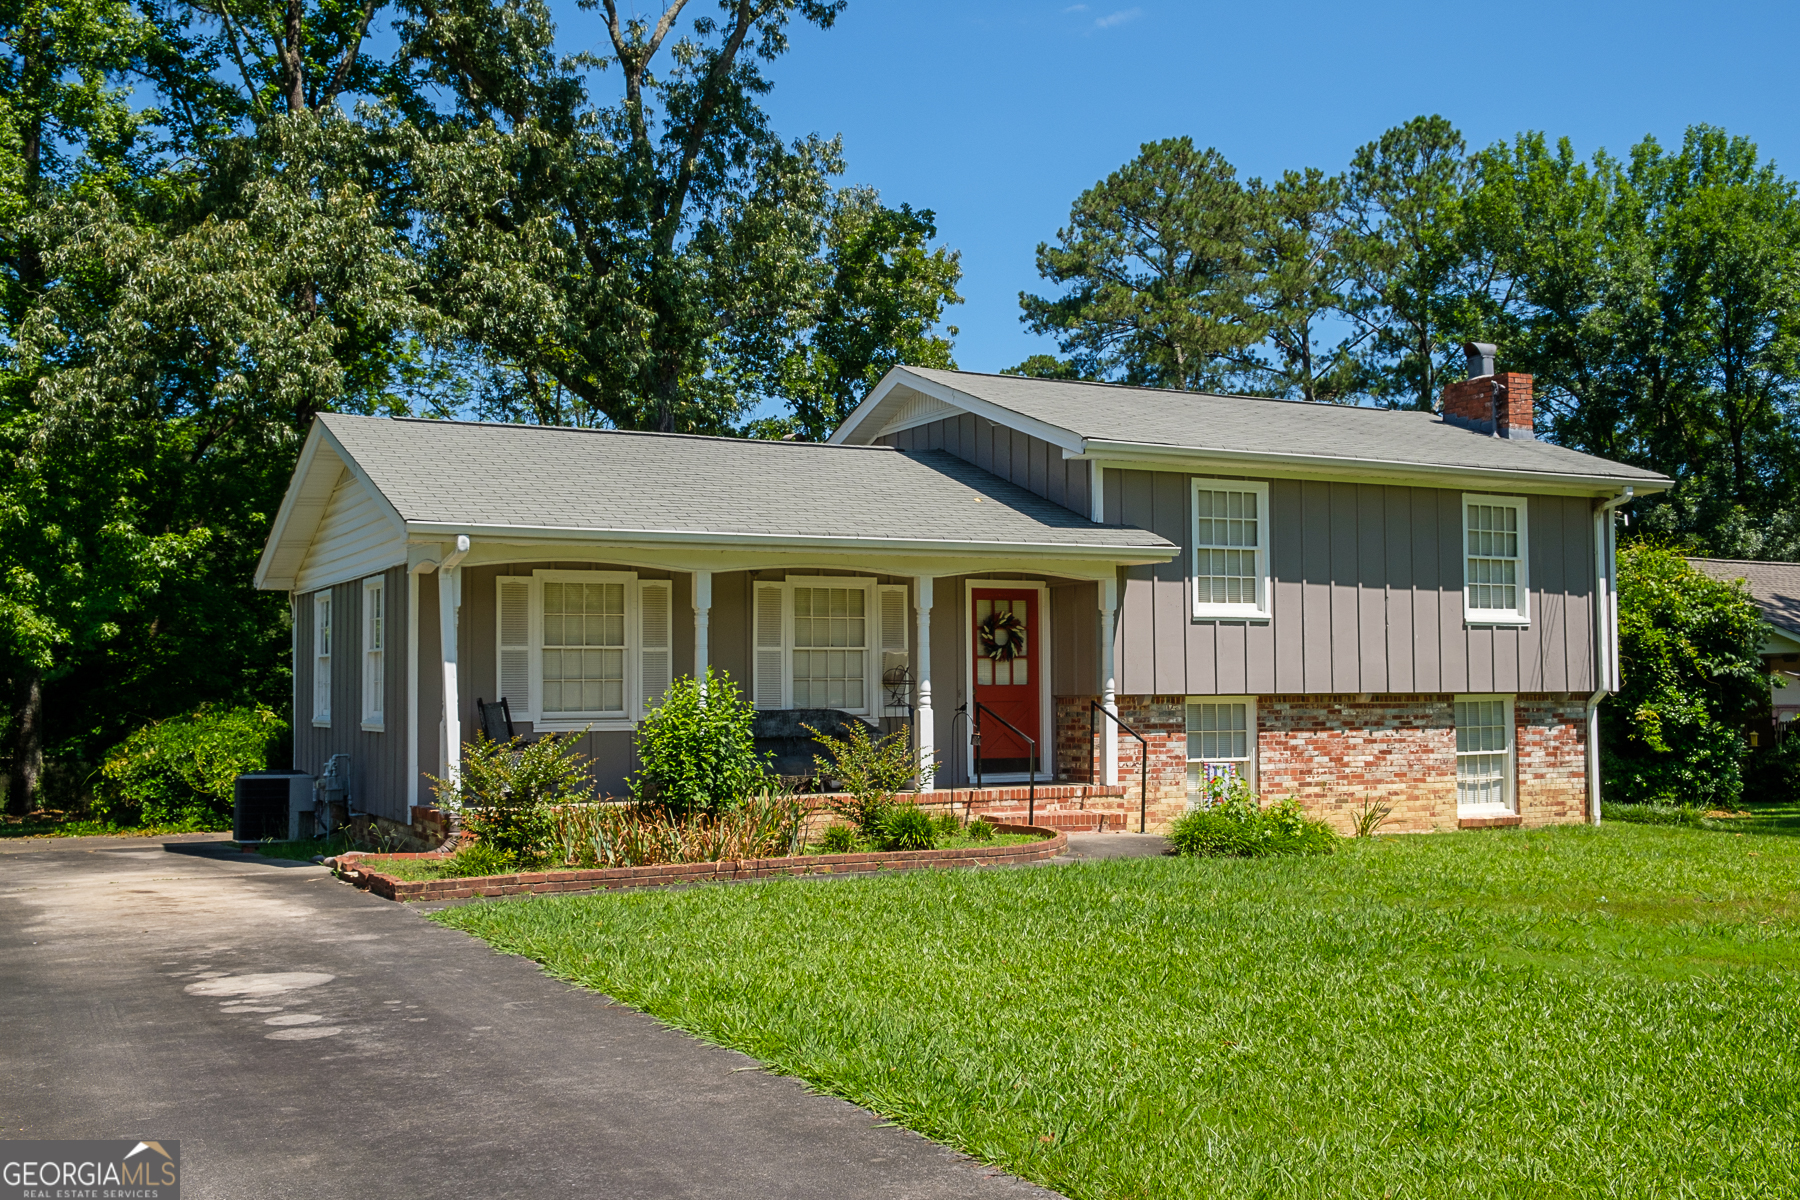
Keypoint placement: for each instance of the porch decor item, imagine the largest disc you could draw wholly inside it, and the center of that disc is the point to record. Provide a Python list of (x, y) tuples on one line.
[(1002, 636)]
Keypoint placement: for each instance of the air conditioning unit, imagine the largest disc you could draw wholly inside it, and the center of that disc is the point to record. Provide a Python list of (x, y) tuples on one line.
[(273, 805)]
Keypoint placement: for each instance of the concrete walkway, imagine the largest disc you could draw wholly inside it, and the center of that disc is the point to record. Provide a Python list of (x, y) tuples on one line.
[(301, 1038), (1086, 847)]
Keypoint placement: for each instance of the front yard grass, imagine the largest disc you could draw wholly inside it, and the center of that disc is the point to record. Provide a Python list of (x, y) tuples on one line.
[(1564, 1012)]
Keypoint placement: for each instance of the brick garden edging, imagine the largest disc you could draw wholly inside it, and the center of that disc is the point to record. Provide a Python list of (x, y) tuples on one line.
[(611, 878)]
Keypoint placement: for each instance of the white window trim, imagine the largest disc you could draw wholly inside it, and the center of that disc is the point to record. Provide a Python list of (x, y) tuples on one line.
[(569, 722), (1249, 703), (1046, 700), (374, 698), (1509, 774), (321, 663), (1496, 616), (873, 697), (1260, 611)]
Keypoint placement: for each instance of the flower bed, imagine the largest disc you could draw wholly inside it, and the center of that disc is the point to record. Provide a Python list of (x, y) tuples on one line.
[(366, 874)]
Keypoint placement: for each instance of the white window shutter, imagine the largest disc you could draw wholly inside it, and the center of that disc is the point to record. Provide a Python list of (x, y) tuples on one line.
[(892, 611), (771, 631), (514, 605), (656, 651)]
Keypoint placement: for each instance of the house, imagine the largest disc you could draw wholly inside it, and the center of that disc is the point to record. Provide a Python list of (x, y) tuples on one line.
[(1775, 587), (1333, 602)]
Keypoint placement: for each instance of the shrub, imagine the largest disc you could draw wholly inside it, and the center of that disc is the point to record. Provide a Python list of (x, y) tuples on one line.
[(507, 792), (838, 839), (480, 858), (1689, 645), (180, 772), (872, 772), (1233, 826), (980, 830), (769, 823), (698, 753), (907, 827), (1772, 774), (1653, 814), (947, 824)]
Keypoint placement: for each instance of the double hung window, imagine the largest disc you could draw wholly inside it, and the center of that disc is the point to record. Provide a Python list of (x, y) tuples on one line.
[(1495, 588), (1483, 753), (1221, 741), (374, 636), (829, 642), (1231, 548), (321, 704), (580, 648)]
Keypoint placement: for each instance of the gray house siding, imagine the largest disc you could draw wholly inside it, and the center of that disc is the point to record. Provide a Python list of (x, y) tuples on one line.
[(377, 759), (1367, 597), (1031, 463)]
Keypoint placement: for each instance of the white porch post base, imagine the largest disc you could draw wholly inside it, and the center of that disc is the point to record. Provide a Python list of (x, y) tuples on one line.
[(927, 733)]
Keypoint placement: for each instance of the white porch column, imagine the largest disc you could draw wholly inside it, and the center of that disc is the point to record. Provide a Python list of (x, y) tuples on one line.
[(1109, 700), (927, 733), (702, 627), (449, 605)]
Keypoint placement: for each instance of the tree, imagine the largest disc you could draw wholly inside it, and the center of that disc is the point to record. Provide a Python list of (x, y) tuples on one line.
[(1160, 271), (1300, 247), (1689, 655), (1421, 285)]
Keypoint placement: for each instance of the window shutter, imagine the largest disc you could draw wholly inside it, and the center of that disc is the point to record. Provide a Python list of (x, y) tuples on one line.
[(771, 682), (655, 649), (892, 603), (515, 645)]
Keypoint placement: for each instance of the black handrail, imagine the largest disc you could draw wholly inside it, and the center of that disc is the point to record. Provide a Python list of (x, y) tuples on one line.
[(1143, 760), (962, 712), (1031, 759)]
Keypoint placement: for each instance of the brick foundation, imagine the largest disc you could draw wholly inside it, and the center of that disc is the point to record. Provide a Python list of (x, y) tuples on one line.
[(1333, 751)]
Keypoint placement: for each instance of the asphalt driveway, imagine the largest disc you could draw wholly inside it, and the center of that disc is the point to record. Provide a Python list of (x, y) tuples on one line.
[(301, 1038)]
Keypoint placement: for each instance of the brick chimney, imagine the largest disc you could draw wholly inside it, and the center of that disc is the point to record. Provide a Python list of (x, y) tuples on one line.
[(1490, 402)]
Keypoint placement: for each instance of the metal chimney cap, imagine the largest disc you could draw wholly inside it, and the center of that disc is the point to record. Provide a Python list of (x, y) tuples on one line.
[(1481, 358)]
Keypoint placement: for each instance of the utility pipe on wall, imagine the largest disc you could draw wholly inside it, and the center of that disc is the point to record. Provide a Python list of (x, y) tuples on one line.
[(1606, 638)]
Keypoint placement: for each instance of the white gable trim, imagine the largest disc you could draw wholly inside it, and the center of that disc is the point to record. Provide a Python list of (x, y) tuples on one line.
[(288, 553), (853, 433)]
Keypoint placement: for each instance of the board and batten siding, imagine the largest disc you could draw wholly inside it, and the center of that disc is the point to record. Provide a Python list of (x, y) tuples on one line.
[(1032, 463), (377, 760), (1367, 597), (356, 538)]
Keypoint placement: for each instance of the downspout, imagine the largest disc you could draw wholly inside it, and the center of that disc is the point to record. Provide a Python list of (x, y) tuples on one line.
[(1606, 639)]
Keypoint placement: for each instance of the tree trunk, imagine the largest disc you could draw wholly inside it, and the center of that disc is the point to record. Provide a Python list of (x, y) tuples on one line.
[(28, 744)]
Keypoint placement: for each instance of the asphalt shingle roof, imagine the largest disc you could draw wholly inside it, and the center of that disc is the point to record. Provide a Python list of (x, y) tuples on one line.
[(544, 477), (1775, 586), (1289, 428)]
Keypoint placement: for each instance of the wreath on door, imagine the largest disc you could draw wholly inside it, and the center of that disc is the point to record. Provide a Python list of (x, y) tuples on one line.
[(1002, 636)]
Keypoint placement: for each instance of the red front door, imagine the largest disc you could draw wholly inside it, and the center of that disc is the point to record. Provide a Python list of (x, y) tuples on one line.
[(1008, 656)]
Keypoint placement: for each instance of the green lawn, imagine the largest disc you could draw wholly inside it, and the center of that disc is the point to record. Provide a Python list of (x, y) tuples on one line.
[(1567, 1012)]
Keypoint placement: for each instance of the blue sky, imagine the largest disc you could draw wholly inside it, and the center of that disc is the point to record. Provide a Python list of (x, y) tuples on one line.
[(996, 115)]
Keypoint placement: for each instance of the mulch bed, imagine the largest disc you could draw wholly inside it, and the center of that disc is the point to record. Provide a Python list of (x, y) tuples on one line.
[(350, 866)]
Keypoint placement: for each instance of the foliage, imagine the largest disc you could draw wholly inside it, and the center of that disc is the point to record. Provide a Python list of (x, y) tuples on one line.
[(1689, 649), (1654, 814), (181, 771), (1369, 816), (838, 839), (1772, 772), (870, 772), (1234, 825), (979, 830), (767, 823), (1408, 1015), (905, 827), (507, 792), (481, 858), (697, 749)]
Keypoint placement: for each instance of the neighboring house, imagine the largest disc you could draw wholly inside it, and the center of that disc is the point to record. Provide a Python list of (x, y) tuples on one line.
[(1334, 602), (1775, 586)]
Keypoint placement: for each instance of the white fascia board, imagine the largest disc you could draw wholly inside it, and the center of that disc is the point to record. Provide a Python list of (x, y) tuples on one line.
[(1070, 442), (690, 539), (262, 579), (1129, 456)]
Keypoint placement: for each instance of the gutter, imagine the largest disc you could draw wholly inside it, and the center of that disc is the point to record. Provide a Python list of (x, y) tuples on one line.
[(1606, 638), (1129, 451), (437, 530)]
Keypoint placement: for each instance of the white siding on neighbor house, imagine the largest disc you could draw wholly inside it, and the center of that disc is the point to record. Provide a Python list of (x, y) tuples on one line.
[(356, 537)]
